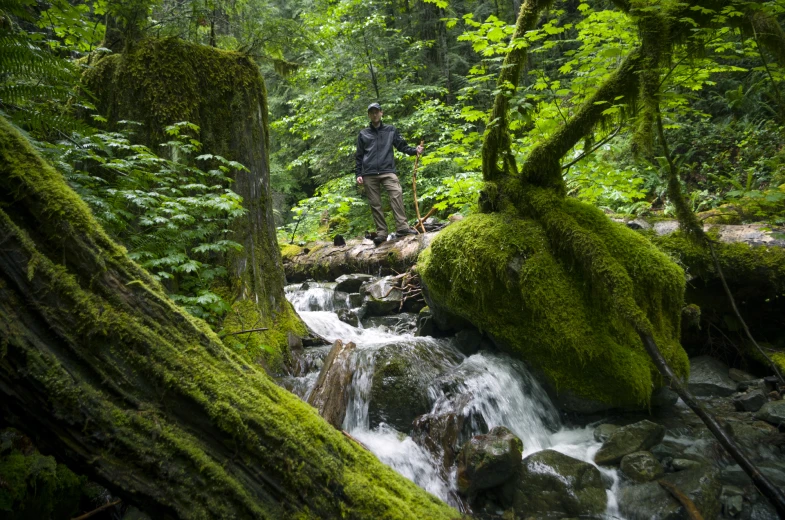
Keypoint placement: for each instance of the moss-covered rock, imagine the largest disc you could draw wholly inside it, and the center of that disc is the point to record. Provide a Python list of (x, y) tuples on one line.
[(158, 82), (503, 274)]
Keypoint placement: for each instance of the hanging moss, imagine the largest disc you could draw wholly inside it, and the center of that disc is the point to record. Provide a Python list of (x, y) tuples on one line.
[(161, 82), (501, 273)]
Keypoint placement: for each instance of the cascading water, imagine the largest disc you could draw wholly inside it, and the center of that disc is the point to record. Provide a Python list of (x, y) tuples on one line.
[(484, 389)]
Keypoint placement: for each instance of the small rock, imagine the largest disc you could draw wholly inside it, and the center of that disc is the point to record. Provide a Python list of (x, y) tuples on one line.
[(648, 501), (685, 464), (628, 439), (603, 431), (664, 397), (702, 486), (739, 375), (355, 300), (552, 482), (351, 283), (774, 395), (709, 378), (755, 384), (489, 460), (383, 296), (347, 316), (732, 499), (641, 466), (750, 402), (638, 224), (772, 412), (426, 326)]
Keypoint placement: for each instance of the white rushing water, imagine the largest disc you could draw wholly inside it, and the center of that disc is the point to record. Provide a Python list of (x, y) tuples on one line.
[(486, 389)]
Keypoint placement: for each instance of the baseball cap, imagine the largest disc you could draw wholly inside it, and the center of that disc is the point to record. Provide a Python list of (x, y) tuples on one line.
[(377, 106)]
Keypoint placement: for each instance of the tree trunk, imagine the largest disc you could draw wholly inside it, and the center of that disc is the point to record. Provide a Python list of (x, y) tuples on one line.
[(103, 370), (161, 82)]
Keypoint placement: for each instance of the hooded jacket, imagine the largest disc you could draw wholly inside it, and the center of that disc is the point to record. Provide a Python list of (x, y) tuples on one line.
[(374, 150)]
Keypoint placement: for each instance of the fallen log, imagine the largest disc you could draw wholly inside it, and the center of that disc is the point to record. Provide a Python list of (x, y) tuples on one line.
[(101, 368), (330, 395)]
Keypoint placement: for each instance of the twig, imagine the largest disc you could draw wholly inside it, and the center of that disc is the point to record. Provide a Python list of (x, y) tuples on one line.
[(584, 154), (96, 511), (349, 436), (244, 331), (685, 501)]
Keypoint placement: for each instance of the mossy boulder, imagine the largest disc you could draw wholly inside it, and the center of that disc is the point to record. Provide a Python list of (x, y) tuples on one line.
[(504, 275), (488, 460)]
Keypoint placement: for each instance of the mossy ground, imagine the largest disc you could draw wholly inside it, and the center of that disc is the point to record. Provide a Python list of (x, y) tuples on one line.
[(501, 272)]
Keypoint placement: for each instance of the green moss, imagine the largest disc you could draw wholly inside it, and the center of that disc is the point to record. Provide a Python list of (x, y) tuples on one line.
[(503, 274), (173, 413), (289, 250)]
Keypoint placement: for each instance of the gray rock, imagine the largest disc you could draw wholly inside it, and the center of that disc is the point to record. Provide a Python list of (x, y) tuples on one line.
[(739, 375), (426, 326), (735, 476), (732, 499), (603, 431), (772, 412), (551, 482), (355, 300), (664, 397), (641, 466), (750, 401), (383, 297), (702, 486), (685, 464), (351, 283), (648, 502), (441, 435), (709, 378), (347, 316), (628, 439), (489, 460)]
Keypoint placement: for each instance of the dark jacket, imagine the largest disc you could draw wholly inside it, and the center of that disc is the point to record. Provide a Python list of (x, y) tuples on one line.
[(374, 150)]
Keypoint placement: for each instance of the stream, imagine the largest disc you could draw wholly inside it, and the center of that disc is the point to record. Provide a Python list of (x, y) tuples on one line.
[(486, 389)]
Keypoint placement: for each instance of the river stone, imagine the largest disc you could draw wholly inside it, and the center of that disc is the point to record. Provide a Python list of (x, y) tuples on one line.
[(603, 431), (702, 486), (330, 395), (399, 385), (351, 283), (355, 300), (347, 316), (772, 412), (732, 499), (628, 439), (551, 482), (685, 464), (383, 297), (709, 378), (648, 501), (440, 435), (735, 476), (426, 326), (740, 375), (468, 341), (664, 397), (751, 401), (489, 460), (641, 466)]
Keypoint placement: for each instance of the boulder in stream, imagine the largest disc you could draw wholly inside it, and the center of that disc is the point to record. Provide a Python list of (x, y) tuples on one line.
[(709, 378), (351, 283), (639, 436), (641, 466), (751, 401), (772, 412), (551, 482), (489, 460), (383, 296), (330, 395), (651, 501)]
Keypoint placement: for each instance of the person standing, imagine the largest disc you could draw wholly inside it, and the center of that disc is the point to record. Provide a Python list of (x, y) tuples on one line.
[(376, 170)]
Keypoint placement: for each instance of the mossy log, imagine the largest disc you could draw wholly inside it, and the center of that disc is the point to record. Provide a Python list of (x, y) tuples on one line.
[(103, 370), (159, 82), (324, 262)]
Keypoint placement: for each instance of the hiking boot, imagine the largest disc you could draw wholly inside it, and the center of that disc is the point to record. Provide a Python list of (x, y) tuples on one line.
[(379, 240), (409, 231)]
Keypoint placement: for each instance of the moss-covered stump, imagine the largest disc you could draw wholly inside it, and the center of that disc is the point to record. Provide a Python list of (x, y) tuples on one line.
[(501, 273), (144, 399), (161, 82), (755, 276)]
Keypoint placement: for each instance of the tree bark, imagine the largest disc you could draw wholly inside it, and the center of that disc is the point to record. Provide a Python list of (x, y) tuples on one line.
[(330, 395), (103, 370)]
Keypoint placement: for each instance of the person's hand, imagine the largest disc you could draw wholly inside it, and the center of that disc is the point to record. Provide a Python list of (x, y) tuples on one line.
[(359, 180), (420, 149)]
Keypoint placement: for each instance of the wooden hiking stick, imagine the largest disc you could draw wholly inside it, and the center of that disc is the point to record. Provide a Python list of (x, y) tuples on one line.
[(414, 189)]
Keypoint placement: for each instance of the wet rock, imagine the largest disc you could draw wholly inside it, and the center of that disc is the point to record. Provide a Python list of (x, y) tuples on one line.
[(664, 397), (551, 482), (685, 464), (355, 300), (330, 395), (772, 412), (648, 501), (468, 341), (739, 375), (735, 476), (425, 323), (440, 435), (751, 401), (732, 499), (399, 387), (489, 460), (755, 384), (351, 283), (702, 486), (404, 323), (383, 297), (347, 316), (628, 439), (641, 466), (603, 431), (709, 378)]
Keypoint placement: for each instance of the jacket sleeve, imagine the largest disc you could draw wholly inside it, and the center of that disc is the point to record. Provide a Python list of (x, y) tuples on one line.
[(358, 156), (401, 145)]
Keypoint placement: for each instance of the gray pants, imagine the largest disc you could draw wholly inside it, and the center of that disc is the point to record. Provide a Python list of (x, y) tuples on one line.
[(373, 186)]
